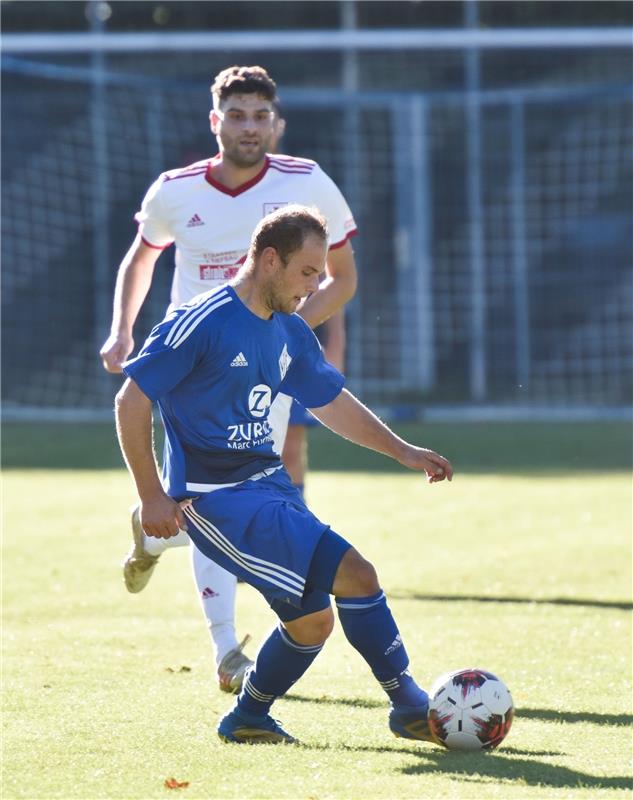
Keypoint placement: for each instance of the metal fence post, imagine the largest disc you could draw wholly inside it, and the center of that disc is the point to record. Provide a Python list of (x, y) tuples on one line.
[(477, 366), (414, 253), (351, 148), (519, 245), (100, 202)]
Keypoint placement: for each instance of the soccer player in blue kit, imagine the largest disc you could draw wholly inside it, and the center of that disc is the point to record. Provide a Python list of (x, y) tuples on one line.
[(214, 366)]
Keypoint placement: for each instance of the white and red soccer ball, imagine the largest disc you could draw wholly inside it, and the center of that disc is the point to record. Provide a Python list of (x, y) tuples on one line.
[(470, 709)]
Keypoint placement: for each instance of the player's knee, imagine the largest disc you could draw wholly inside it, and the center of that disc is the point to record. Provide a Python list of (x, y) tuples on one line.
[(312, 629), (367, 579), (355, 577)]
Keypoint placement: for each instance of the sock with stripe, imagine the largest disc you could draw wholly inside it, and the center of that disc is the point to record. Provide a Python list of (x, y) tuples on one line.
[(279, 663), (371, 629), (156, 547)]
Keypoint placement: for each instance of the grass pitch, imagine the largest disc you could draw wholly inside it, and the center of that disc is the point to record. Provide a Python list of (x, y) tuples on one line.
[(521, 565)]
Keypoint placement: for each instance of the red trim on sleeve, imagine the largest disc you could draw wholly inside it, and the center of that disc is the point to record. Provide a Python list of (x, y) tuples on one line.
[(155, 246), (238, 189), (345, 240)]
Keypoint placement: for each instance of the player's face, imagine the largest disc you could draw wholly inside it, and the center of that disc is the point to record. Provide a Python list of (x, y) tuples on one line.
[(298, 278), (244, 126)]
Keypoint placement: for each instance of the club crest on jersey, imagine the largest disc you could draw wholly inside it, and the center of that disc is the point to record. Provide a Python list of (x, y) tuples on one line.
[(284, 361)]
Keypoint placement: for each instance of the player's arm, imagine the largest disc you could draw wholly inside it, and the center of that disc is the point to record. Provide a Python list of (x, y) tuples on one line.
[(160, 515), (348, 417), (334, 343), (132, 285), (337, 288)]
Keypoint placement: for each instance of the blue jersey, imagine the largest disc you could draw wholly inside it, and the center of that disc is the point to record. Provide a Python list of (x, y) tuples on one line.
[(214, 369)]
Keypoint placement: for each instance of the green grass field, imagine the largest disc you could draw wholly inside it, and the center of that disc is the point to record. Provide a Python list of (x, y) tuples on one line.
[(522, 565)]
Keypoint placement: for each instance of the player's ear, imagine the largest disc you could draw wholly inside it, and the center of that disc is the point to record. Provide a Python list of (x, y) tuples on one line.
[(214, 122), (269, 260), (280, 127)]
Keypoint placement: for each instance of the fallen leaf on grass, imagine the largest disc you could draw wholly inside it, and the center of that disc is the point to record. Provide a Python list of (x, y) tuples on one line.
[(172, 783)]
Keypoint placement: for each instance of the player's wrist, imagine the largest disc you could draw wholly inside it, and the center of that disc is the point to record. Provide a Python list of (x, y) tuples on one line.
[(151, 492)]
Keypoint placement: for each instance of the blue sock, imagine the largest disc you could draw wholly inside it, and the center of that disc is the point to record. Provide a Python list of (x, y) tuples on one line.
[(278, 664), (371, 629)]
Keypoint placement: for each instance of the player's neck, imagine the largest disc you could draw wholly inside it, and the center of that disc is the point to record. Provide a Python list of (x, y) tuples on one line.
[(231, 175), (247, 289)]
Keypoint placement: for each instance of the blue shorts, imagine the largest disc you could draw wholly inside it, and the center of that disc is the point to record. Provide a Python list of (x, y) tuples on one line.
[(299, 415), (262, 532)]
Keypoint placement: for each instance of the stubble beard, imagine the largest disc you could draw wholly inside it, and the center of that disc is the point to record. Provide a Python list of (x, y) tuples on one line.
[(242, 160), (275, 303)]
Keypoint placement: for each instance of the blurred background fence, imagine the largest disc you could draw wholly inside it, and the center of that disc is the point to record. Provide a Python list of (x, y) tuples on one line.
[(490, 173)]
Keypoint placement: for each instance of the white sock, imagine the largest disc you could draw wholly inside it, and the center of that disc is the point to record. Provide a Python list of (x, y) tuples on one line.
[(156, 547), (216, 590)]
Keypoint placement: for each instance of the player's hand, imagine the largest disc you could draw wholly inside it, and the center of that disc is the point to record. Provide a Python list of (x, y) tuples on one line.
[(162, 517), (115, 350), (436, 467)]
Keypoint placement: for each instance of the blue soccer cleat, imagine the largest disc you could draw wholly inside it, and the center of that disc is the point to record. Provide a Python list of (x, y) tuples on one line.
[(411, 722), (242, 728)]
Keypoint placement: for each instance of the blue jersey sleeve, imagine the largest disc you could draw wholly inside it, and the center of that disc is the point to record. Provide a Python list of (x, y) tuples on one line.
[(310, 379), (166, 358)]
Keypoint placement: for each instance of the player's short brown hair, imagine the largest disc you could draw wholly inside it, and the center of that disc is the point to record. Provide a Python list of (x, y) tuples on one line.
[(286, 230), (243, 80)]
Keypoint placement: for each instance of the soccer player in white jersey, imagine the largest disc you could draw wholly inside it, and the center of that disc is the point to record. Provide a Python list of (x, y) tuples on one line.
[(209, 210), (215, 366)]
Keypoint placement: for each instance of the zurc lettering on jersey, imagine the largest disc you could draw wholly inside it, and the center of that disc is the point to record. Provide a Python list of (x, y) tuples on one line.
[(248, 434)]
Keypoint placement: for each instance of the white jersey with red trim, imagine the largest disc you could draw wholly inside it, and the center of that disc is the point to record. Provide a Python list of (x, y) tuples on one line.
[(211, 225)]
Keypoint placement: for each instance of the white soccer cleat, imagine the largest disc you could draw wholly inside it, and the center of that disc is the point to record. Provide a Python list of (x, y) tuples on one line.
[(139, 564), (233, 668)]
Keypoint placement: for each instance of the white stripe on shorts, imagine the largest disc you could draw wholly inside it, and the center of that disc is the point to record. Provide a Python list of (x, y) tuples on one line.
[(270, 572)]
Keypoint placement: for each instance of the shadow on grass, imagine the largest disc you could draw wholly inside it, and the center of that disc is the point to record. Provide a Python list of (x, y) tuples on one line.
[(502, 765), (489, 767), (353, 702), (552, 601), (547, 714)]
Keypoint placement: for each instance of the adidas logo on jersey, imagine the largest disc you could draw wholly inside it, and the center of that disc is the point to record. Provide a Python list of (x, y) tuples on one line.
[(239, 361), (195, 221)]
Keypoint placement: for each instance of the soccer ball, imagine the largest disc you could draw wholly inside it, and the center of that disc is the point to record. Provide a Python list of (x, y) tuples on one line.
[(470, 709)]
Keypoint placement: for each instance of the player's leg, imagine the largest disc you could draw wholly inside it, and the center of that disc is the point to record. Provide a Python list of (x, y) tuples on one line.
[(291, 648), (283, 658), (295, 452), (144, 553), (271, 546), (371, 629), (285, 552), (295, 455), (216, 590)]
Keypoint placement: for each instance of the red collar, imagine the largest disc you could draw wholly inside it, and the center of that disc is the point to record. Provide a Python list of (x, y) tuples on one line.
[(243, 187)]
